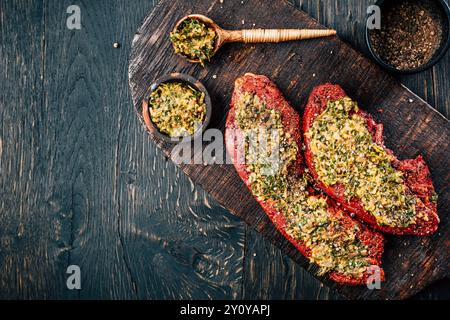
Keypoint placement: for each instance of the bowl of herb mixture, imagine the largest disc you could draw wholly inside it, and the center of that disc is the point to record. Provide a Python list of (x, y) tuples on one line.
[(414, 34), (177, 108)]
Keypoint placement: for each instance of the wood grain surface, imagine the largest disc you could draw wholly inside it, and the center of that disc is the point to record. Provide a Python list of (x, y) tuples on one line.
[(81, 183), (411, 125)]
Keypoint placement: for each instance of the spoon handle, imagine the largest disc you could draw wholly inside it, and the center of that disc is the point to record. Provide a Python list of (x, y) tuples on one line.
[(276, 35)]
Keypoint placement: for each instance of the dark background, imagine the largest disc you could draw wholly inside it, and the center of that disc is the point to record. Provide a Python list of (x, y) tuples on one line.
[(81, 183)]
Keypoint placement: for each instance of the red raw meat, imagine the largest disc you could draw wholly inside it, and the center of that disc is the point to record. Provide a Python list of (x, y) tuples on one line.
[(265, 89)]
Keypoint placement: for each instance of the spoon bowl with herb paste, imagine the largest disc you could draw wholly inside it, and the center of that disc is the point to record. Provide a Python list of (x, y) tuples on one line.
[(195, 38), (177, 106)]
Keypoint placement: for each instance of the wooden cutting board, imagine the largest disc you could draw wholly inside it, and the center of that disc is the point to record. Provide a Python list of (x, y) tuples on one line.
[(411, 125)]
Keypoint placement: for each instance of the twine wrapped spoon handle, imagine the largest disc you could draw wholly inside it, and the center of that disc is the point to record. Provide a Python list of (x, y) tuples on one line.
[(275, 35)]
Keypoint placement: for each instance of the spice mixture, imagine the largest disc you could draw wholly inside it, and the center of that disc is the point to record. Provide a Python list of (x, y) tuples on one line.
[(177, 109), (194, 39), (410, 34)]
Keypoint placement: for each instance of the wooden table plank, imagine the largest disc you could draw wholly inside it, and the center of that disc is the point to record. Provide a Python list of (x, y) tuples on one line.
[(83, 125), (25, 223)]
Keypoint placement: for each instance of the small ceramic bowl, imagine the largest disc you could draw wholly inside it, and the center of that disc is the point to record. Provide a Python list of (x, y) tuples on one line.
[(444, 12), (194, 83)]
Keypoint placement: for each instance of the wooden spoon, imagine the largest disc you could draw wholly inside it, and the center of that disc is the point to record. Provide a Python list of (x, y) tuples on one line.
[(255, 35)]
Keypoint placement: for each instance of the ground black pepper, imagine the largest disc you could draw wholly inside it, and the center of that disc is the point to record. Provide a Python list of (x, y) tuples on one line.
[(410, 34)]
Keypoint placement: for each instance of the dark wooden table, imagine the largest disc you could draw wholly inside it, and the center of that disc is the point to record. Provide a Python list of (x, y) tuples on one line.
[(81, 183)]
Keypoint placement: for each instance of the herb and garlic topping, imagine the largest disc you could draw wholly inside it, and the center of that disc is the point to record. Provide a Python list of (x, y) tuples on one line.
[(334, 247), (344, 153), (177, 109), (194, 39)]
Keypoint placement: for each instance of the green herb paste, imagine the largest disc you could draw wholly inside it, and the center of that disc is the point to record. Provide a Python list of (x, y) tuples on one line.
[(177, 109), (195, 40), (344, 153)]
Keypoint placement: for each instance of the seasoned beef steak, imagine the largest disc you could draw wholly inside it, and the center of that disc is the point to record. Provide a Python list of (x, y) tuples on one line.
[(384, 188), (342, 247)]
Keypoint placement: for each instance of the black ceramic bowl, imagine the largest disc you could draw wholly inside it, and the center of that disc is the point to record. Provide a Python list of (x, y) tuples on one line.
[(194, 83), (444, 12)]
